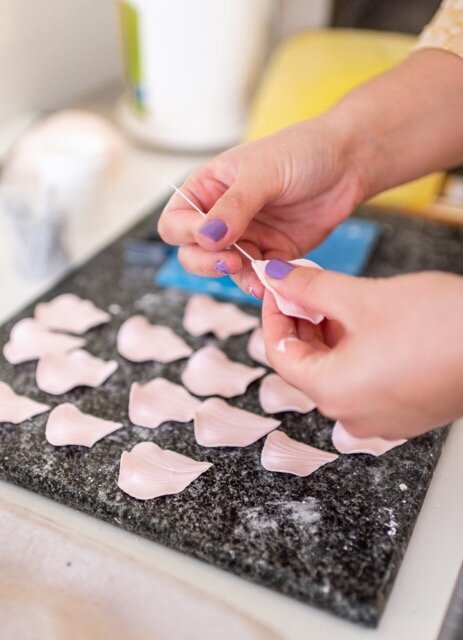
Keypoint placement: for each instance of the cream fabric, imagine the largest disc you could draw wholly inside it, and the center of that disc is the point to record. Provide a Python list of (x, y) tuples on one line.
[(445, 31)]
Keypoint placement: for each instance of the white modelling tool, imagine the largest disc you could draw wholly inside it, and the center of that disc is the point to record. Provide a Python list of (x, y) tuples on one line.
[(196, 208)]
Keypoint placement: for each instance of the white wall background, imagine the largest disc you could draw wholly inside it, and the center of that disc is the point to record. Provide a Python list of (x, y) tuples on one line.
[(54, 50), (296, 15)]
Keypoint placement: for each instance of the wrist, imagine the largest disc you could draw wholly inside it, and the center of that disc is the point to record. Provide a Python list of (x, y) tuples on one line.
[(332, 152), (359, 148), (355, 155)]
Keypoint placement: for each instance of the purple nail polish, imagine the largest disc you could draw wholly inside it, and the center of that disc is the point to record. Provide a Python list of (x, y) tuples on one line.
[(221, 267), (278, 269), (214, 230)]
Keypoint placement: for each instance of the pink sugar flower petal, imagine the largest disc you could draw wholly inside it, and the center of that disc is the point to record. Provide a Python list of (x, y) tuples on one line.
[(70, 313), (30, 341), (15, 408), (159, 401), (345, 442), (218, 424), (67, 425), (285, 455), (138, 340), (147, 471), (210, 373), (61, 372), (203, 314), (287, 307), (275, 395)]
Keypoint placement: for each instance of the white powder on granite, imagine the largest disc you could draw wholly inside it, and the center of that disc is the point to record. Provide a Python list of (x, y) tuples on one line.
[(114, 309), (392, 524), (303, 513)]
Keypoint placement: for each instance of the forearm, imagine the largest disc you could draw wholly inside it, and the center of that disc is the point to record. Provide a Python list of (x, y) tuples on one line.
[(405, 123)]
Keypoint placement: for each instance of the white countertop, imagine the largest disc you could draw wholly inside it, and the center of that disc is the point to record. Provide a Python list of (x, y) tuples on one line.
[(429, 570)]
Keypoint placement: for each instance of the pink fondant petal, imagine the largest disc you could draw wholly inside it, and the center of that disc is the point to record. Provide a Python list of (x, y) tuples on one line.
[(15, 408), (159, 401), (347, 443), (256, 347), (285, 455), (275, 395), (203, 314), (68, 312), (147, 471), (30, 341), (287, 307), (61, 372), (217, 424), (68, 425), (210, 373), (138, 340)]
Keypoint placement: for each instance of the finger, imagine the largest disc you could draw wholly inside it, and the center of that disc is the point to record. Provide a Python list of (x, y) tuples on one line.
[(306, 330), (333, 294), (179, 220), (233, 211), (201, 187), (247, 280), (297, 361), (197, 260), (179, 226)]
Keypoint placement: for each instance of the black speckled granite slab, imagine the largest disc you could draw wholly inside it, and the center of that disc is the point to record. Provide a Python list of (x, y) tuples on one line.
[(334, 539)]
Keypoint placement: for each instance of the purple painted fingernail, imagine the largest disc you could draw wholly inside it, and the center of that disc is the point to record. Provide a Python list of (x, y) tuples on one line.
[(278, 269), (221, 267), (214, 230)]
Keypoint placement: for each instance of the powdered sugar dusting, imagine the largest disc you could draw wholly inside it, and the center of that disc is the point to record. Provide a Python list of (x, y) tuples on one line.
[(303, 513), (392, 523)]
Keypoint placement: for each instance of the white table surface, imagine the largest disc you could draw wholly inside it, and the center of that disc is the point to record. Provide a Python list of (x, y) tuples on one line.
[(429, 570)]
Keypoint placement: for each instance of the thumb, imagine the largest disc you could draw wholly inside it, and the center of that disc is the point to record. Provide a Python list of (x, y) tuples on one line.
[(331, 293), (233, 211), (299, 359)]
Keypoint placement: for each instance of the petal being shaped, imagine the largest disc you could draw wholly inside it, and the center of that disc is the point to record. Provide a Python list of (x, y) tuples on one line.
[(68, 312), (203, 314), (217, 424), (345, 442), (159, 401), (29, 340), (61, 372), (15, 408), (287, 307), (256, 347), (285, 455), (147, 471), (210, 373), (68, 425), (275, 395), (138, 340)]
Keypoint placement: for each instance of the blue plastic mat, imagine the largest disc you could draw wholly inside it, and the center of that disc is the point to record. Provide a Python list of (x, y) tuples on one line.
[(347, 249)]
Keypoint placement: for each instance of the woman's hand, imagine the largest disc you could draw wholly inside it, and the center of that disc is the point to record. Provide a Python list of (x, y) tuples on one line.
[(279, 197), (388, 358)]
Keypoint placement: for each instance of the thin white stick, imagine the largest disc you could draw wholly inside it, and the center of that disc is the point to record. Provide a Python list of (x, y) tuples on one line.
[(196, 208)]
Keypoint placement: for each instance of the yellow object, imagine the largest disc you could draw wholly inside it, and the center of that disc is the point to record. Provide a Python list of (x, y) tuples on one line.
[(311, 71)]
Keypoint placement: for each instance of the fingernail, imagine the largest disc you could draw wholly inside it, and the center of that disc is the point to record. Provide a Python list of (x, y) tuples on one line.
[(214, 230), (221, 267), (278, 269)]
